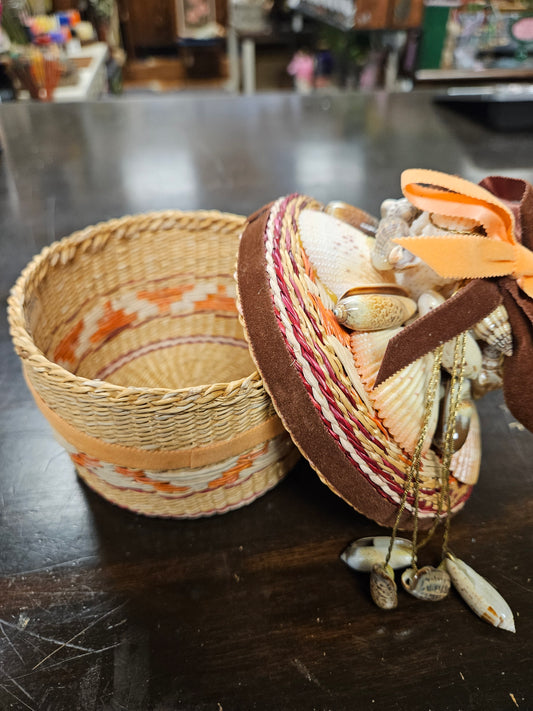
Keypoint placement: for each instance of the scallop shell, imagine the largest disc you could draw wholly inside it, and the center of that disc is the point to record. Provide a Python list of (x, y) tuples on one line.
[(364, 553), (360, 310), (339, 253), (480, 595), (383, 588), (495, 329), (388, 229), (466, 462), (427, 583), (353, 216), (401, 400), (491, 375), (399, 208)]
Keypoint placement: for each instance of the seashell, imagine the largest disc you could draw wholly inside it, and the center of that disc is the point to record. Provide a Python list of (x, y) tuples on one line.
[(374, 308), (433, 224), (400, 258), (429, 300), (419, 277), (491, 375), (480, 595), (495, 329), (353, 216), (383, 588), (401, 400), (399, 208), (339, 253), (364, 553), (472, 357), (466, 462), (463, 417), (427, 583), (346, 358), (388, 229)]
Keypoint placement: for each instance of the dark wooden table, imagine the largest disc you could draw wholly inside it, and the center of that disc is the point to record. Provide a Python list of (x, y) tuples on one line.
[(103, 609)]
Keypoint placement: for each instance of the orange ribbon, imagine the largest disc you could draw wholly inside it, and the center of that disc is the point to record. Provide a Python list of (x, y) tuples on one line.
[(466, 256)]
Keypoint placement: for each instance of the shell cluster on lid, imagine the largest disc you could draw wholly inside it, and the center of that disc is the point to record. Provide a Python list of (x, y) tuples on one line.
[(377, 288)]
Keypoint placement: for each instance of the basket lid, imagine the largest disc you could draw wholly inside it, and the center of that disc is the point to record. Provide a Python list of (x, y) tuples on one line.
[(307, 365)]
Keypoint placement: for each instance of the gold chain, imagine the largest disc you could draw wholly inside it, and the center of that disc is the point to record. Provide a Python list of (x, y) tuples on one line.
[(414, 469)]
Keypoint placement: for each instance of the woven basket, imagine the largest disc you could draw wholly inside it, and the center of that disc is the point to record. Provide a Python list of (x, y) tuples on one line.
[(131, 345)]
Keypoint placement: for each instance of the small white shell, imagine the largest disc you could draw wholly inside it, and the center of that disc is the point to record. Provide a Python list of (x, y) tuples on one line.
[(373, 312), (480, 595), (472, 357), (398, 208), (427, 583), (495, 329), (364, 553), (388, 229), (383, 588)]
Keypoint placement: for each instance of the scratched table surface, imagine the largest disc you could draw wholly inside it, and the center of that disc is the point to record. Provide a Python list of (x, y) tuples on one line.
[(104, 609)]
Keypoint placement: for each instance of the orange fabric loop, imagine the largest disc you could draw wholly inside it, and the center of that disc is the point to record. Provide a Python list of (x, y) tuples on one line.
[(136, 458), (466, 256)]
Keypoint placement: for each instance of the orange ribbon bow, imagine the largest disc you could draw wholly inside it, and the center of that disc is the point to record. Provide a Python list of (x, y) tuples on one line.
[(499, 264), (462, 255)]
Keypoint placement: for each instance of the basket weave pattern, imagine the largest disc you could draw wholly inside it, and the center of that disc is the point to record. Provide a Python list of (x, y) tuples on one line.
[(119, 328), (321, 352)]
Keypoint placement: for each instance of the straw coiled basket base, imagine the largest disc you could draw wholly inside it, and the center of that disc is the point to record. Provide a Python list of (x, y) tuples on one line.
[(132, 347)]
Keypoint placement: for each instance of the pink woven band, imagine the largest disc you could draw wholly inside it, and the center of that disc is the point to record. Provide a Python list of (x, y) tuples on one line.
[(136, 458)]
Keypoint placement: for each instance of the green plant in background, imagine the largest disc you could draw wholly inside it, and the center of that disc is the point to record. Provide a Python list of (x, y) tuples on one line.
[(348, 48), (12, 13)]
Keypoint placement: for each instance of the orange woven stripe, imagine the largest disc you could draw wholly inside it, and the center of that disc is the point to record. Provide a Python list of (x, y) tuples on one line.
[(136, 458)]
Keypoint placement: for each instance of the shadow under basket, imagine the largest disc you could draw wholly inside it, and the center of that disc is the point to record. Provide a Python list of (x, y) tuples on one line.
[(132, 347)]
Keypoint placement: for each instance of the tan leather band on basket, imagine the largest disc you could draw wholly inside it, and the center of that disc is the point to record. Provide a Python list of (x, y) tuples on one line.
[(135, 458)]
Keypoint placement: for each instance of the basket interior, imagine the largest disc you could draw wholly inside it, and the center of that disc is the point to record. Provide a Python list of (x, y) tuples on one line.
[(155, 309)]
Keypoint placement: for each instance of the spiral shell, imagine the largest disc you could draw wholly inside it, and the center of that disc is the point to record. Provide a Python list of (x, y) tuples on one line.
[(339, 253), (495, 329), (373, 309)]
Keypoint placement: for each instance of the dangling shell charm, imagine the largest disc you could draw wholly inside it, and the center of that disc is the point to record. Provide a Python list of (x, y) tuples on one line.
[(383, 588), (480, 595), (374, 308), (427, 583), (364, 553)]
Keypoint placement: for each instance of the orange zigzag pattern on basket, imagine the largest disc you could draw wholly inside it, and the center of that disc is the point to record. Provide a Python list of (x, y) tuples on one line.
[(232, 474), (165, 297), (218, 301), (65, 350), (162, 486), (111, 322)]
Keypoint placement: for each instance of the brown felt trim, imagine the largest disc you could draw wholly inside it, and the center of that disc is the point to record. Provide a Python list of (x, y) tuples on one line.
[(288, 391), (466, 308)]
